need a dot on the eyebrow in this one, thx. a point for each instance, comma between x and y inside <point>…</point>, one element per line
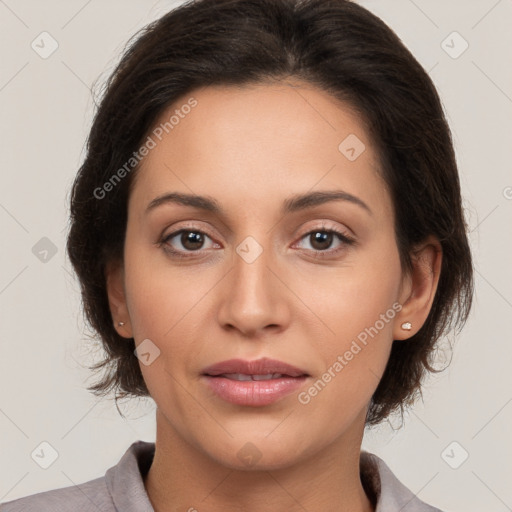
<point>292,204</point>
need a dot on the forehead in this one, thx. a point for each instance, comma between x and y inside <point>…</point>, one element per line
<point>259,141</point>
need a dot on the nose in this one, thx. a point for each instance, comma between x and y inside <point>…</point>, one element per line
<point>254,298</point>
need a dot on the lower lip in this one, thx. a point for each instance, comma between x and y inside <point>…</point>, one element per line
<point>253,393</point>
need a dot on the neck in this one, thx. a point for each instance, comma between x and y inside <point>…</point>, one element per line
<point>183,478</point>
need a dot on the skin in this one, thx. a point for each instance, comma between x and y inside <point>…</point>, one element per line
<point>251,148</point>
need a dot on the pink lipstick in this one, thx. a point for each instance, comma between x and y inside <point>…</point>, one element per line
<point>253,383</point>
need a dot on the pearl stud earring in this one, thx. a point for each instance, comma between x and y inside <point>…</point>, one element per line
<point>120,324</point>
<point>406,326</point>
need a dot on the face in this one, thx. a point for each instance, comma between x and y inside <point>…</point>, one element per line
<point>314,284</point>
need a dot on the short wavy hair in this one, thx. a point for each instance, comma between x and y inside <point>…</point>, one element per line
<point>335,45</point>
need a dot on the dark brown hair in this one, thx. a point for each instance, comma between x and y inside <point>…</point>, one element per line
<point>335,45</point>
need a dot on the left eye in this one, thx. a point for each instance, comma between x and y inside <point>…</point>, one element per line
<point>321,239</point>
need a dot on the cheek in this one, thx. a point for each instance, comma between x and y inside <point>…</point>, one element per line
<point>162,302</point>
<point>355,307</point>
<point>168,305</point>
<point>159,294</point>
<point>347,300</point>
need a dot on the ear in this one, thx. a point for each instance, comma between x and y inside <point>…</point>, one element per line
<point>114,275</point>
<point>419,288</point>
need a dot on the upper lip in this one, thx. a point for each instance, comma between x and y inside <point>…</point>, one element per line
<point>263,366</point>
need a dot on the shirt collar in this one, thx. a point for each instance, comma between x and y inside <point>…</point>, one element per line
<point>125,482</point>
<point>390,492</point>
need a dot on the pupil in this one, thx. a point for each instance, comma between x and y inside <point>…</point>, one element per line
<point>321,237</point>
<point>188,239</point>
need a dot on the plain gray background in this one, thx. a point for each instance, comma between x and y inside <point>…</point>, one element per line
<point>46,110</point>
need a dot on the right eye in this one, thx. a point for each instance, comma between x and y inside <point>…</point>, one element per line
<point>185,241</point>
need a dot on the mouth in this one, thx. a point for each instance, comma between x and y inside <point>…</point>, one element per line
<point>260,369</point>
<point>245,377</point>
<point>253,383</point>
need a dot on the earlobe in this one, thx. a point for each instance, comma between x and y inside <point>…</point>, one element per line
<point>114,276</point>
<point>421,288</point>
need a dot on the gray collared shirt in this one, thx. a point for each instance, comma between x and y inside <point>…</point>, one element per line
<point>122,489</point>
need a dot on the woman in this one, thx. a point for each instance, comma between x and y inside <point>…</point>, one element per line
<point>269,218</point>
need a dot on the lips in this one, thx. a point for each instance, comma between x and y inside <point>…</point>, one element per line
<point>243,376</point>
<point>253,383</point>
<point>260,367</point>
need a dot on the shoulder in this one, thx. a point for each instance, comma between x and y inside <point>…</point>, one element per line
<point>122,488</point>
<point>89,496</point>
<point>390,493</point>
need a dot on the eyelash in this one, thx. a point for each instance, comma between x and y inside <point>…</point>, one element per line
<point>343,237</point>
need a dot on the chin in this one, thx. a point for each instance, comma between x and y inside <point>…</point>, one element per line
<point>259,453</point>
